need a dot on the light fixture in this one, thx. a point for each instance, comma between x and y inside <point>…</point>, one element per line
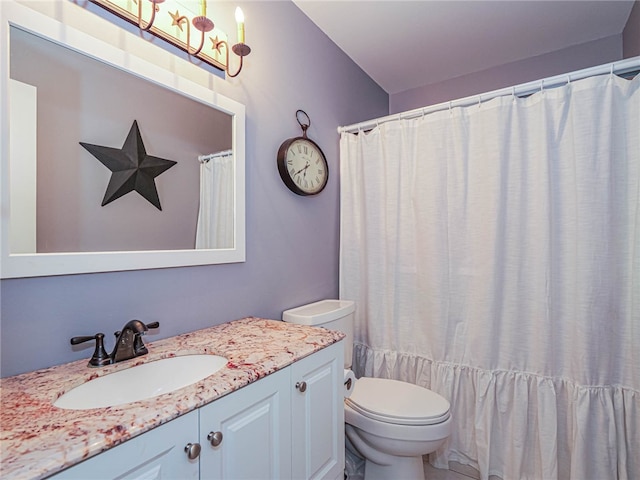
<point>168,23</point>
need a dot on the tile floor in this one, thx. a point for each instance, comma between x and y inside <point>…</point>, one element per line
<point>456,471</point>
<point>431,473</point>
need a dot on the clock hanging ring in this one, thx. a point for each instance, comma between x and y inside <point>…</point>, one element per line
<point>301,162</point>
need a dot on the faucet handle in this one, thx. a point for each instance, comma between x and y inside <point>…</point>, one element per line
<point>100,356</point>
<point>78,340</point>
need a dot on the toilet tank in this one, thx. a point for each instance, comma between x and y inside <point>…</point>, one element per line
<point>330,314</point>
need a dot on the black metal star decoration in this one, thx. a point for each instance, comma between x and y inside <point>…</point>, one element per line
<point>131,167</point>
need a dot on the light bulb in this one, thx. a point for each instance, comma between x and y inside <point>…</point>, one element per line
<point>239,15</point>
<point>240,20</point>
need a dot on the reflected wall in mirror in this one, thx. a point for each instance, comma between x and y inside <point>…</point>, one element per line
<point>62,91</point>
<point>79,99</point>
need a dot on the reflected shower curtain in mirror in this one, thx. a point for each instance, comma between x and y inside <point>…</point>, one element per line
<point>493,252</point>
<point>215,217</point>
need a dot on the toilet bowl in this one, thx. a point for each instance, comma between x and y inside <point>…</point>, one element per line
<point>391,424</point>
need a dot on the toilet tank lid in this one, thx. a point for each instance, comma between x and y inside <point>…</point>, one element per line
<point>320,312</point>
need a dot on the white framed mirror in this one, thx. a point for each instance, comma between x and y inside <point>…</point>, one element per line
<point>60,87</point>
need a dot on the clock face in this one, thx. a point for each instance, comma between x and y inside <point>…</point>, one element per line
<point>302,166</point>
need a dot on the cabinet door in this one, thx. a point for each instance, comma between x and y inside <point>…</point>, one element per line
<point>318,415</point>
<point>157,454</point>
<point>256,432</point>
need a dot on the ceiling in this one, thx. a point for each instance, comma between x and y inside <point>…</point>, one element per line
<point>407,44</point>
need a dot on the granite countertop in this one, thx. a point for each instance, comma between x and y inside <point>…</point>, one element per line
<point>38,439</point>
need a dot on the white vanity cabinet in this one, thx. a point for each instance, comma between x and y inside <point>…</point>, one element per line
<point>157,454</point>
<point>288,425</point>
<point>317,415</point>
<point>247,434</point>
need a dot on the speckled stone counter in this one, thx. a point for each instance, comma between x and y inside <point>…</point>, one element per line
<point>38,439</point>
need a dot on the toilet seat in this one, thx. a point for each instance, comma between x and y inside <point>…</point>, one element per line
<point>399,403</point>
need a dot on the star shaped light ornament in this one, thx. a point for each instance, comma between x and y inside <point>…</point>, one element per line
<point>131,167</point>
<point>178,19</point>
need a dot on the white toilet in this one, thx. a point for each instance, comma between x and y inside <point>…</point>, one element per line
<point>390,424</point>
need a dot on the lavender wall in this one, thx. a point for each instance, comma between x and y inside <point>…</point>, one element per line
<point>590,54</point>
<point>292,241</point>
<point>631,33</point>
<point>586,55</point>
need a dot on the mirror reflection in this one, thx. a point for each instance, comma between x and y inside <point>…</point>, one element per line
<point>60,98</point>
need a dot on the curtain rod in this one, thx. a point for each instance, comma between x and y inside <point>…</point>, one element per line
<point>211,156</point>
<point>621,67</point>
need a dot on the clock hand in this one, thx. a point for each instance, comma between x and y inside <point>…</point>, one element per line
<point>303,169</point>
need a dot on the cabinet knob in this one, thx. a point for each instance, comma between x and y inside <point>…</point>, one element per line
<point>193,450</point>
<point>302,386</point>
<point>215,438</point>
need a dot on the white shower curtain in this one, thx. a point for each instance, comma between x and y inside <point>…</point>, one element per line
<point>216,215</point>
<point>493,252</point>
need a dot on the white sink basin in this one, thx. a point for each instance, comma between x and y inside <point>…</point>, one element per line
<point>141,382</point>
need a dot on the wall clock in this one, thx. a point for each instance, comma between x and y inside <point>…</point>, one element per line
<point>301,163</point>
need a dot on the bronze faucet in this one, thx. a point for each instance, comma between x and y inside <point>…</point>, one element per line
<point>127,339</point>
<point>129,344</point>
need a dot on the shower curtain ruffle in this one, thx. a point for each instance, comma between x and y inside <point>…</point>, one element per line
<point>547,426</point>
